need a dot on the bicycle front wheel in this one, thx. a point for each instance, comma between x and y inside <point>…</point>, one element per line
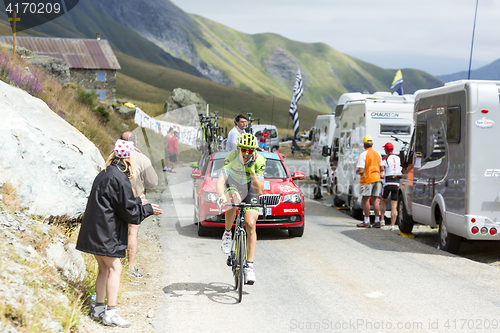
<point>241,264</point>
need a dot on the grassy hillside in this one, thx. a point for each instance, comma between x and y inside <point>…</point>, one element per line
<point>220,97</point>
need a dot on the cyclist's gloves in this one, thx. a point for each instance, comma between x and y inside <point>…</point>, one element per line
<point>221,201</point>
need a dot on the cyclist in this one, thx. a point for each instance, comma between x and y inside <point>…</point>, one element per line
<point>242,180</point>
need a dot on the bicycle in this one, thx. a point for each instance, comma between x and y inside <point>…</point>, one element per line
<point>237,258</point>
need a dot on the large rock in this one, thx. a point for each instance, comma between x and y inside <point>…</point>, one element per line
<point>183,97</point>
<point>49,163</point>
<point>57,68</point>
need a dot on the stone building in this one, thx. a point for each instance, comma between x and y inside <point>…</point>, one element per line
<point>92,62</point>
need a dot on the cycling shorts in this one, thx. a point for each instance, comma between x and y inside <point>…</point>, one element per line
<point>245,191</point>
<point>393,190</point>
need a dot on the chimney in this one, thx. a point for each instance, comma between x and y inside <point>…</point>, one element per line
<point>98,35</point>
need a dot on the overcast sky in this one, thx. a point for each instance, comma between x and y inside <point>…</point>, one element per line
<point>431,35</point>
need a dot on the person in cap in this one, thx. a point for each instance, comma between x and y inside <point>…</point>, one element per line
<point>391,165</point>
<point>369,168</point>
<point>104,229</point>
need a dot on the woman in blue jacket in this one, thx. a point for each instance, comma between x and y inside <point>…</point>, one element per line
<point>104,230</point>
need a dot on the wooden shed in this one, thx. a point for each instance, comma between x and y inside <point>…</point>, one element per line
<point>91,62</point>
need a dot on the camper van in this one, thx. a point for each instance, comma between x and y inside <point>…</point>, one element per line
<point>452,177</point>
<point>321,136</point>
<point>385,117</point>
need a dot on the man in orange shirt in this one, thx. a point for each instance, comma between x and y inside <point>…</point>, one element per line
<point>369,168</point>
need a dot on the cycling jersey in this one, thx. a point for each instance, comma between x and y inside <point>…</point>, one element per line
<point>239,172</point>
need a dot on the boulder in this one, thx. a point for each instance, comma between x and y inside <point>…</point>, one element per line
<point>183,97</point>
<point>50,164</point>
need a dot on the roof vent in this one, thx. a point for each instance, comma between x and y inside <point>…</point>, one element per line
<point>98,36</point>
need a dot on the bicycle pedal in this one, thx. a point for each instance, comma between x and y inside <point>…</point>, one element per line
<point>228,261</point>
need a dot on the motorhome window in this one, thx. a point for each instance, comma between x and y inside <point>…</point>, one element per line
<point>421,140</point>
<point>391,129</point>
<point>274,134</point>
<point>353,126</point>
<point>453,124</point>
<point>338,110</point>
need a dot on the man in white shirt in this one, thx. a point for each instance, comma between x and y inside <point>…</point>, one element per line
<point>392,173</point>
<point>240,122</point>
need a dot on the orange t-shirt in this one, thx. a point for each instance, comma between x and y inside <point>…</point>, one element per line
<point>371,165</point>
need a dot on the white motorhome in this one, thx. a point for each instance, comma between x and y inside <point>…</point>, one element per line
<point>453,166</point>
<point>385,117</point>
<point>322,136</point>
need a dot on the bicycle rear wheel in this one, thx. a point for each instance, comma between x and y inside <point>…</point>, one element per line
<point>241,264</point>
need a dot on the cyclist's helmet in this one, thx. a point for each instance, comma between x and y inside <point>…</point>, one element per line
<point>247,140</point>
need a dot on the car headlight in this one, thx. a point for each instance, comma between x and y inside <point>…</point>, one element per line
<point>211,197</point>
<point>292,198</point>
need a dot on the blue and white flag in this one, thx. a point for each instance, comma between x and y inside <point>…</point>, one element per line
<point>298,91</point>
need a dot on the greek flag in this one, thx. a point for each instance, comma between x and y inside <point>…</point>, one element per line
<point>398,79</point>
<point>298,91</point>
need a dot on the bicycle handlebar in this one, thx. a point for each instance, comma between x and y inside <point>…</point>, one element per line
<point>243,205</point>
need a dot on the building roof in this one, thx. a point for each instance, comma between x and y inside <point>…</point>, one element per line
<point>77,53</point>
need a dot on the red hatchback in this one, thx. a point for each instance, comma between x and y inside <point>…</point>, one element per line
<point>285,201</point>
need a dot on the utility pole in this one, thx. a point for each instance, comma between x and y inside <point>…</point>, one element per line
<point>14,18</point>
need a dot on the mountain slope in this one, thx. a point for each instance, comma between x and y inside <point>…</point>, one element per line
<point>488,72</point>
<point>159,32</point>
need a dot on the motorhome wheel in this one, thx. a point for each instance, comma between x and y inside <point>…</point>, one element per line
<point>448,242</point>
<point>405,222</point>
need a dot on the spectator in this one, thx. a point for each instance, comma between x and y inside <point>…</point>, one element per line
<point>240,123</point>
<point>173,150</point>
<point>391,165</point>
<point>263,138</point>
<point>145,177</point>
<point>167,153</point>
<point>369,168</point>
<point>103,233</point>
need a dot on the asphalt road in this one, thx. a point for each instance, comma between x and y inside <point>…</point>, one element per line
<point>335,278</point>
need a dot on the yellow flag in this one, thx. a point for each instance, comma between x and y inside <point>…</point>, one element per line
<point>397,79</point>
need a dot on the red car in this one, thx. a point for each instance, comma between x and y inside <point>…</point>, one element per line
<point>285,201</point>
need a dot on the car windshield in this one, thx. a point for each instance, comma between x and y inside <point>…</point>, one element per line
<point>274,169</point>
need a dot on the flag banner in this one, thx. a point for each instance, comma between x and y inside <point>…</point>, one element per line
<point>298,91</point>
<point>187,135</point>
<point>398,78</point>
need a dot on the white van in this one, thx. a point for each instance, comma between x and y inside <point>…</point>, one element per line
<point>321,136</point>
<point>273,143</point>
<point>453,166</point>
<point>385,117</point>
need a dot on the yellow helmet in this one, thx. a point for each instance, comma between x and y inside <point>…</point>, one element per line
<point>247,140</point>
<point>367,139</point>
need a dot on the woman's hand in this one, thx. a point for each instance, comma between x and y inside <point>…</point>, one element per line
<point>156,210</point>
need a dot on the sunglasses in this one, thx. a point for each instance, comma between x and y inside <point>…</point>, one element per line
<point>247,150</point>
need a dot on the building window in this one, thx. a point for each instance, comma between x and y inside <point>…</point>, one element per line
<point>101,76</point>
<point>101,94</point>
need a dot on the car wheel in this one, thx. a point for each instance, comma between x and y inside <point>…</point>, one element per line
<point>296,232</point>
<point>405,222</point>
<point>273,149</point>
<point>448,242</point>
<point>202,231</point>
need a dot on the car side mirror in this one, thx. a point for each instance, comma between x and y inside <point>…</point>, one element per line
<point>196,174</point>
<point>298,175</point>
<point>194,165</point>
<point>326,151</point>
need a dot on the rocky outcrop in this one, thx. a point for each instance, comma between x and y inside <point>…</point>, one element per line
<point>56,67</point>
<point>49,163</point>
<point>183,97</point>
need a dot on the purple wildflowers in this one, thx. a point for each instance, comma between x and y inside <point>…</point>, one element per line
<point>29,82</point>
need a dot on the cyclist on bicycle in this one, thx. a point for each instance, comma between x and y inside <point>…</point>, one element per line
<point>242,180</point>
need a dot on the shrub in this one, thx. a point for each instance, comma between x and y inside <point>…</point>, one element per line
<point>102,113</point>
